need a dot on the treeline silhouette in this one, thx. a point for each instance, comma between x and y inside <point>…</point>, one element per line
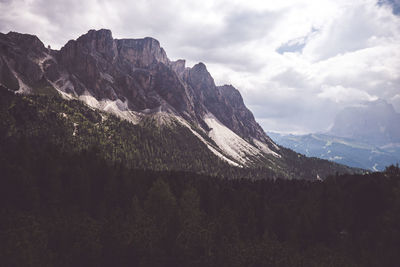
<point>78,209</point>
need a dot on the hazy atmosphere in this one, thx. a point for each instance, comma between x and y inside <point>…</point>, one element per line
<point>296,63</point>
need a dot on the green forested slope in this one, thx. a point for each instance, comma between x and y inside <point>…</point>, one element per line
<point>111,195</point>
<point>71,126</point>
<point>77,209</point>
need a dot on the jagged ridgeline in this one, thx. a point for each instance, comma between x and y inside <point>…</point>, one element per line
<point>128,101</point>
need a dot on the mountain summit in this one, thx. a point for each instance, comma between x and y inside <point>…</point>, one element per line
<point>131,77</point>
<point>135,80</point>
<point>364,136</point>
<point>374,122</point>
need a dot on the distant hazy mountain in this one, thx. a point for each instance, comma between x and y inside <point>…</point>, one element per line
<point>341,150</point>
<point>375,123</point>
<point>365,136</point>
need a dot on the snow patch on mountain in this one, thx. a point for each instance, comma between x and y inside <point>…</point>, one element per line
<point>229,142</point>
<point>209,146</point>
<point>64,84</point>
<point>335,158</point>
<point>23,88</point>
<point>116,107</point>
<point>62,89</point>
<point>75,129</point>
<point>375,167</point>
<point>43,59</point>
<point>264,148</point>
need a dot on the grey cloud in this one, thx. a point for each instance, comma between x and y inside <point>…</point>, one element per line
<point>244,26</point>
<point>299,109</point>
<point>394,4</point>
<point>374,83</point>
<point>351,33</point>
<point>288,100</point>
<point>291,78</point>
<point>223,44</point>
<point>237,27</point>
<point>229,57</point>
<point>309,116</point>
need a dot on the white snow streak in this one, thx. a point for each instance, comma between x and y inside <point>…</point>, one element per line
<point>23,88</point>
<point>75,129</point>
<point>232,144</point>
<point>375,167</point>
<point>116,107</point>
<point>42,60</point>
<point>264,148</point>
<point>209,146</point>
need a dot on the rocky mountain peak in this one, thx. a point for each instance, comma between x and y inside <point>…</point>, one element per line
<point>19,57</point>
<point>96,35</point>
<point>99,44</point>
<point>200,71</point>
<point>201,80</point>
<point>237,116</point>
<point>375,122</point>
<point>384,107</point>
<point>232,94</point>
<point>135,76</point>
<point>178,66</point>
<point>142,52</point>
<point>100,41</point>
<point>26,41</point>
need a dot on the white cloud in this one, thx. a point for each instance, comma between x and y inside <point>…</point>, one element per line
<point>340,94</point>
<point>349,50</point>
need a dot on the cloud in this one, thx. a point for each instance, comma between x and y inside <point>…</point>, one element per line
<point>340,94</point>
<point>296,62</point>
<point>291,78</point>
<point>355,27</point>
<point>393,4</point>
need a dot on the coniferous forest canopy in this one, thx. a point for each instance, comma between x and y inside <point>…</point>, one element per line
<point>72,195</point>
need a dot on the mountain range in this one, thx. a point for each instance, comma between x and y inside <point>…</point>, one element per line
<point>134,80</point>
<point>113,155</point>
<point>365,136</point>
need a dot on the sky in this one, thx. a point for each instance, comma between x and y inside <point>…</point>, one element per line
<point>296,63</point>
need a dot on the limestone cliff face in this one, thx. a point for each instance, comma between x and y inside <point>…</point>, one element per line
<point>237,116</point>
<point>225,102</point>
<point>142,53</point>
<point>178,66</point>
<point>135,71</point>
<point>19,54</point>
